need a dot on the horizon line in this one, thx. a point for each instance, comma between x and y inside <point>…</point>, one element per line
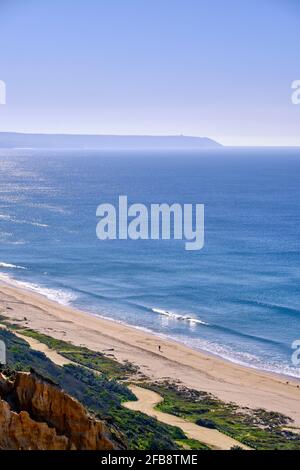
<point>221,145</point>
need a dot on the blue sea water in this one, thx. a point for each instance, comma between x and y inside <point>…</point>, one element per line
<point>242,289</point>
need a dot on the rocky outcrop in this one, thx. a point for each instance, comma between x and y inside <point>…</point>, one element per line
<point>19,432</point>
<point>35,414</point>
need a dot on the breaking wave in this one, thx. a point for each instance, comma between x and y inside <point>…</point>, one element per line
<point>11,266</point>
<point>175,316</point>
<point>60,296</point>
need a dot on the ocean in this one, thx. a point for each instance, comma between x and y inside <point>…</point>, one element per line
<point>237,298</point>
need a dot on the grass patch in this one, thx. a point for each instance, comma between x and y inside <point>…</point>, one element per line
<point>99,394</point>
<point>84,356</point>
<point>104,394</point>
<point>192,444</point>
<point>259,429</point>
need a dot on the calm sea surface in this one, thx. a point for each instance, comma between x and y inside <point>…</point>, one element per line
<point>238,297</point>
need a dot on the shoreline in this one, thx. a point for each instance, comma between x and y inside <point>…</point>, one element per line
<point>163,337</point>
<point>204,371</point>
<point>10,281</point>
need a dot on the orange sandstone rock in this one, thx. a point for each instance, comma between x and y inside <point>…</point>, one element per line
<point>46,418</point>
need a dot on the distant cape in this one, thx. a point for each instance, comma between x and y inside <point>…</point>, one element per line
<point>114,142</point>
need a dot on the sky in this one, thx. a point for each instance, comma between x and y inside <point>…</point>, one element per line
<point>215,68</point>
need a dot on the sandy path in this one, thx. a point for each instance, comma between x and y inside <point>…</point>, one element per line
<point>53,355</point>
<point>229,382</point>
<point>147,400</point>
<point>50,353</point>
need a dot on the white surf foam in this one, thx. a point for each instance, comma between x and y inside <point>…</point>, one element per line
<point>57,295</point>
<point>240,358</point>
<point>17,221</point>
<point>176,316</point>
<point>11,266</point>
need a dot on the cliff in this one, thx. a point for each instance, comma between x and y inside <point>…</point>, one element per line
<point>37,415</point>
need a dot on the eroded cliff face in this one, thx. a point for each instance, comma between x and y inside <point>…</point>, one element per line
<point>34,414</point>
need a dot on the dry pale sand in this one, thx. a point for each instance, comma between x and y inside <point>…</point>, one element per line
<point>147,400</point>
<point>229,382</point>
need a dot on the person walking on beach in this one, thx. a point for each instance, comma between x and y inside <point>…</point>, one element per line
<point>159,348</point>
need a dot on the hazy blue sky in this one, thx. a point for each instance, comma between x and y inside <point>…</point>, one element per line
<point>219,68</point>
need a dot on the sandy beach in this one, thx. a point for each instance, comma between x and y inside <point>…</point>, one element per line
<point>230,382</point>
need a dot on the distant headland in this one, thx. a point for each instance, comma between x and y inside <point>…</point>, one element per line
<point>114,142</point>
